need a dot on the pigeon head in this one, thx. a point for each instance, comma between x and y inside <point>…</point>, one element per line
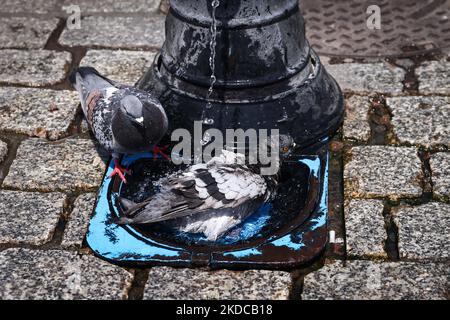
<point>286,144</point>
<point>139,124</point>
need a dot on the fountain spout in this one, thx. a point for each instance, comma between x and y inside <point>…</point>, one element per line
<point>266,74</point>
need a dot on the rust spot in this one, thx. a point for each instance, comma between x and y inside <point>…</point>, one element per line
<point>336,146</point>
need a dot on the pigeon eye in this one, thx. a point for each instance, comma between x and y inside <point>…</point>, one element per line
<point>285,149</point>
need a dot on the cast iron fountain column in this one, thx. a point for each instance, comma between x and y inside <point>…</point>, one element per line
<point>268,77</point>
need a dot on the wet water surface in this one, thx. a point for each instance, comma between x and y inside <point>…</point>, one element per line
<point>286,210</point>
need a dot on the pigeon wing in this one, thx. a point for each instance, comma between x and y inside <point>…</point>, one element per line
<point>202,189</point>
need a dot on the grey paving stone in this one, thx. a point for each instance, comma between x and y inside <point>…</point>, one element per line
<point>434,77</point>
<point>27,6</point>
<point>383,171</point>
<point>424,231</point>
<point>421,120</point>
<point>117,32</point>
<point>356,123</point>
<point>194,284</point>
<point>29,217</point>
<point>364,279</point>
<point>53,274</point>
<point>367,77</point>
<point>72,164</point>
<point>37,112</point>
<point>33,67</point>
<point>21,32</point>
<point>141,6</point>
<point>3,150</point>
<point>440,168</point>
<point>364,226</point>
<point>123,66</point>
<point>165,6</point>
<point>78,221</point>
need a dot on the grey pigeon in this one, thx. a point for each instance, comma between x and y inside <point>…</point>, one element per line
<point>124,120</point>
<point>209,198</point>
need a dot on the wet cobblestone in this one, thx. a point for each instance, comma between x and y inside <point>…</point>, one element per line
<point>122,66</point>
<point>440,168</point>
<point>194,284</point>
<point>355,280</point>
<point>72,164</point>
<point>21,32</point>
<point>421,120</point>
<point>29,217</point>
<point>122,6</point>
<point>117,32</point>
<point>356,123</point>
<point>34,68</point>
<point>367,77</point>
<point>434,77</point>
<point>55,274</point>
<point>3,150</point>
<point>36,112</point>
<point>78,222</point>
<point>424,231</point>
<point>383,171</point>
<point>26,6</point>
<point>364,226</point>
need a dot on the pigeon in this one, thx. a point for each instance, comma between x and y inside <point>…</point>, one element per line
<point>209,198</point>
<point>123,119</point>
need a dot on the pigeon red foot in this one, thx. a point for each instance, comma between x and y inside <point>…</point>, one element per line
<point>160,151</point>
<point>120,171</point>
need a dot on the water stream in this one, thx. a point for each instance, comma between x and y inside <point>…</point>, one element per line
<point>212,64</point>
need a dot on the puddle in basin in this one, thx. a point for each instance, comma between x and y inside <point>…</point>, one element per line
<point>284,211</point>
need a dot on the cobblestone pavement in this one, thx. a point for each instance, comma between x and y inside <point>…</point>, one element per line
<point>391,159</point>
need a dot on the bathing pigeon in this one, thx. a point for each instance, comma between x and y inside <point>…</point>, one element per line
<point>209,198</point>
<point>122,118</point>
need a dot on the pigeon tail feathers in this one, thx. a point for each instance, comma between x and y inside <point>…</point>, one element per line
<point>83,72</point>
<point>91,79</point>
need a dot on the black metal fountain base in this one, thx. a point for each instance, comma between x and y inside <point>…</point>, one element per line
<point>285,233</point>
<point>266,76</point>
